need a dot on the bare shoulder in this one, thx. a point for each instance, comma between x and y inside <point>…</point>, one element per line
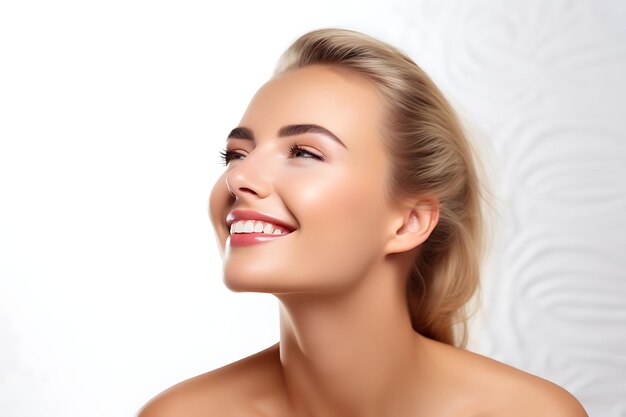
<point>498,389</point>
<point>249,386</point>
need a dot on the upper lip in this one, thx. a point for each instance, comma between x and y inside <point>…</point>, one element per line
<point>241,214</point>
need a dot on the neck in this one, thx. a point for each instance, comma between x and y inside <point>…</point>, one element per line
<point>352,353</point>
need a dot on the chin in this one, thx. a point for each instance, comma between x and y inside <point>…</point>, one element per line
<point>249,284</point>
<point>244,280</point>
<point>238,282</point>
<point>244,285</point>
<point>267,272</point>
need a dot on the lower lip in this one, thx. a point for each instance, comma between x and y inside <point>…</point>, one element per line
<point>247,239</point>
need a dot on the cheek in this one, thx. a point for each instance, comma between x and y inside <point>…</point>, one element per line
<point>340,201</point>
<point>342,225</point>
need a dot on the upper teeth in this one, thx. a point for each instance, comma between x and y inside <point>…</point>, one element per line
<point>256,226</point>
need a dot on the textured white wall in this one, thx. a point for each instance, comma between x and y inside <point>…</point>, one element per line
<point>111,119</point>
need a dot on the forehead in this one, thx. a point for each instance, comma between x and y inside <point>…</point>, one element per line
<point>340,100</point>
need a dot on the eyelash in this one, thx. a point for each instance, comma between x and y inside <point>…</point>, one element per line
<point>294,147</point>
<point>227,155</point>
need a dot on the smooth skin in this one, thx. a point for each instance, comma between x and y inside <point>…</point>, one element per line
<point>346,346</point>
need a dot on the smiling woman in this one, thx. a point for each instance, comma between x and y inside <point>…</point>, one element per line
<point>352,195</point>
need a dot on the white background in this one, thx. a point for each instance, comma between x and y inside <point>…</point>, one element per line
<point>112,116</point>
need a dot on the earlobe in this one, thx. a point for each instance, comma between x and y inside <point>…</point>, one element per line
<point>417,224</point>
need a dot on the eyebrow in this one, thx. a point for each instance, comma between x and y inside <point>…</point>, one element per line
<point>242,132</point>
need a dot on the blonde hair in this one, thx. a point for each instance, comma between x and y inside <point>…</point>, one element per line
<point>431,157</point>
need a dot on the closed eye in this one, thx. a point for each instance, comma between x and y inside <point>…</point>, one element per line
<point>227,155</point>
<point>295,151</point>
<point>298,151</point>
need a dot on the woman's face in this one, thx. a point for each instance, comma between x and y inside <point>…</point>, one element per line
<point>325,194</point>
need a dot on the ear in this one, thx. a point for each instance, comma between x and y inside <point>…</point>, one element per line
<point>412,226</point>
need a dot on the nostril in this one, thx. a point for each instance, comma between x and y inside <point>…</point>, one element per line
<point>247,190</point>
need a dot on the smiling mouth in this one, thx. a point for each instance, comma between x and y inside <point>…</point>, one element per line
<point>251,232</point>
<point>256,227</point>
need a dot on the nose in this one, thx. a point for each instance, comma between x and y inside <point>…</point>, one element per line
<point>249,178</point>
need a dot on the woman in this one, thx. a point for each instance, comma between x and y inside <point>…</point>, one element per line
<point>352,195</point>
